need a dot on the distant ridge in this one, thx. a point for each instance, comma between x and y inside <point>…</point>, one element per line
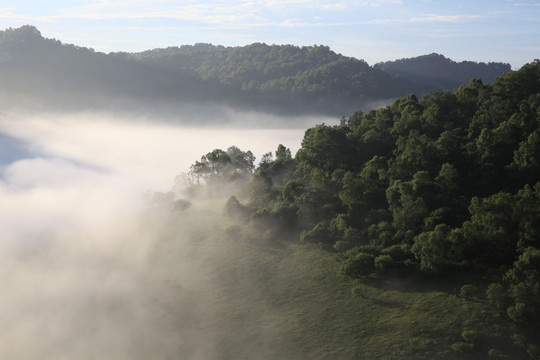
<point>437,71</point>
<point>45,73</point>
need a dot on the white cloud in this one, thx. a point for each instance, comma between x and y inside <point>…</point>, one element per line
<point>8,13</point>
<point>437,18</point>
<point>207,12</point>
<point>335,6</point>
<point>379,2</point>
<point>298,23</point>
<point>381,21</point>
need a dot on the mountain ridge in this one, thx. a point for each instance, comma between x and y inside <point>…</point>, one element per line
<point>282,79</point>
<point>450,73</point>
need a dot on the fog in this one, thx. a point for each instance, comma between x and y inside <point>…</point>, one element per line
<point>89,270</point>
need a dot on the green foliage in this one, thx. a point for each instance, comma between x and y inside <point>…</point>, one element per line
<point>524,287</point>
<point>384,263</point>
<point>497,295</point>
<point>469,336</point>
<point>433,249</point>
<point>324,147</point>
<point>497,354</point>
<point>468,291</point>
<point>402,257</point>
<point>361,264</point>
<point>533,351</point>
<point>527,214</point>
<point>234,210</point>
<point>320,234</point>
<point>462,347</point>
<point>282,153</point>
<point>218,166</point>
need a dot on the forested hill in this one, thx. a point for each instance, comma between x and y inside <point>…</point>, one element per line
<point>298,79</point>
<point>44,73</point>
<point>439,194</point>
<point>446,186</point>
<point>452,178</point>
<point>436,71</point>
<point>35,71</point>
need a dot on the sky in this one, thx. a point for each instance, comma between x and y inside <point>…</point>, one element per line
<point>374,30</point>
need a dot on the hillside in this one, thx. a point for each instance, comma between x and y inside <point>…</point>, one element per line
<point>41,73</point>
<point>443,188</point>
<point>47,74</point>
<point>283,77</point>
<point>228,297</point>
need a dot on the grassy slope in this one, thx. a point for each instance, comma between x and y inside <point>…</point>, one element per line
<point>231,299</point>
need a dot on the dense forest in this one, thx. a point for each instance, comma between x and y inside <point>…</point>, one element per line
<point>45,73</point>
<point>445,188</point>
<point>313,79</point>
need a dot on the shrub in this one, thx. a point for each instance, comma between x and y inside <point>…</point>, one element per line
<point>533,351</point>
<point>360,264</point>
<point>234,209</point>
<point>470,336</point>
<point>523,281</point>
<point>468,291</point>
<point>319,234</point>
<point>342,246</point>
<point>497,354</point>
<point>181,205</point>
<point>462,347</point>
<point>496,295</point>
<point>358,291</point>
<point>384,263</point>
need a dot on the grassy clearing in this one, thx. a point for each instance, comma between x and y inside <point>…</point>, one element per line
<point>240,301</point>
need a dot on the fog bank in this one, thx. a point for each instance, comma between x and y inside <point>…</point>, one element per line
<point>88,271</point>
<point>77,167</point>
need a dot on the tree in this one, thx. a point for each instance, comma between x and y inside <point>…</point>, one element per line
<point>359,264</point>
<point>324,147</point>
<point>242,162</point>
<point>492,232</point>
<point>320,234</point>
<point>219,165</point>
<point>434,249</point>
<point>524,287</point>
<point>527,211</point>
<point>212,166</point>
<point>234,209</point>
<point>283,153</point>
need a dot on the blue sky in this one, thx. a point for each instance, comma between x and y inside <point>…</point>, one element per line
<point>373,30</point>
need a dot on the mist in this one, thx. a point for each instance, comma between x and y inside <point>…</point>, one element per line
<point>90,271</point>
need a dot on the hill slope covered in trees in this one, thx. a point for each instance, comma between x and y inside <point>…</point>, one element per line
<point>45,73</point>
<point>445,187</point>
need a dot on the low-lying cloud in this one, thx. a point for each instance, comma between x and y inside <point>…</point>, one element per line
<point>83,276</point>
<point>90,166</point>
